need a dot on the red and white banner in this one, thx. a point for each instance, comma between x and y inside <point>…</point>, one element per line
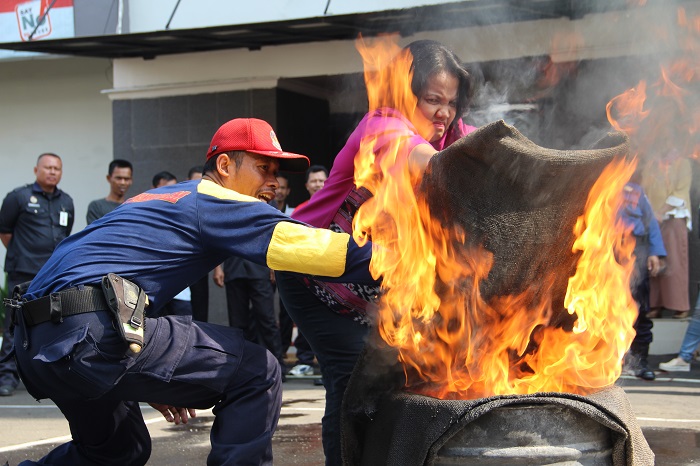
<point>19,19</point>
<point>25,20</point>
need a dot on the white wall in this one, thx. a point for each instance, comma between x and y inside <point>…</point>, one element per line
<point>153,15</point>
<point>55,105</point>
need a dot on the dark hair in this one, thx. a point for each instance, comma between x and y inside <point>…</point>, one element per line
<point>164,175</point>
<point>45,154</point>
<point>315,169</point>
<point>119,163</point>
<point>431,57</point>
<point>236,156</point>
<point>195,169</point>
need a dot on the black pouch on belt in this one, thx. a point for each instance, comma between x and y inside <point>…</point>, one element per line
<point>127,301</point>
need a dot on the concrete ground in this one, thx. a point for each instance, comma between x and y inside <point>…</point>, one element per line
<point>668,410</point>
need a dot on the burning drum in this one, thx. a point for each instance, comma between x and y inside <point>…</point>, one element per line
<point>529,435</point>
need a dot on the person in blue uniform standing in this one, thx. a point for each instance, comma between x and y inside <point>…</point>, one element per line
<point>82,340</point>
<point>649,252</point>
<point>33,219</point>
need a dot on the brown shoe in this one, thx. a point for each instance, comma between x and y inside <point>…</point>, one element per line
<point>680,315</point>
<point>653,314</point>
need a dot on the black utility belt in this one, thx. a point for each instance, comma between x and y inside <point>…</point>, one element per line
<point>126,300</point>
<point>56,306</point>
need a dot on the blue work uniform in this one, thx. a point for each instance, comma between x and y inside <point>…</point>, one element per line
<point>638,215</point>
<point>164,240</point>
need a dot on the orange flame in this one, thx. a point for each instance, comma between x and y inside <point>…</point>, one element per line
<point>451,342</point>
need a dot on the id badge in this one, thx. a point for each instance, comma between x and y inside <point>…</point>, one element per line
<point>63,218</point>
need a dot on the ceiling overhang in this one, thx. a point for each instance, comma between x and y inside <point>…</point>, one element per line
<point>338,27</point>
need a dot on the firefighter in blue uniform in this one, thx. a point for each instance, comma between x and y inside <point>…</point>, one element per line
<point>82,340</point>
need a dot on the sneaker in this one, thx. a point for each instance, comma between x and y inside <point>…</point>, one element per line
<point>675,365</point>
<point>7,390</point>
<point>301,369</point>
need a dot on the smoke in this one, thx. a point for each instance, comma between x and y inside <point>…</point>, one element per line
<point>571,63</point>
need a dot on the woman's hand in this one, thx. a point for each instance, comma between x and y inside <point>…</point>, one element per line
<point>173,414</point>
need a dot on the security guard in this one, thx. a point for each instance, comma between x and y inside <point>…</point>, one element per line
<point>33,219</point>
<point>82,339</point>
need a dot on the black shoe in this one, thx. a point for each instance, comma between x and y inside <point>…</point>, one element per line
<point>7,390</point>
<point>318,382</point>
<point>645,373</point>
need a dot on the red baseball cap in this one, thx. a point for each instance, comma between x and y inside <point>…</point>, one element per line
<point>257,136</point>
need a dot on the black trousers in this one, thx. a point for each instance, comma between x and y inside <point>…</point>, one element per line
<point>200,299</point>
<point>251,308</point>
<point>8,368</point>
<point>640,293</point>
<point>305,354</point>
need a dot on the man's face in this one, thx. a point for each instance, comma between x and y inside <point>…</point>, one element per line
<point>120,181</point>
<point>48,172</point>
<point>256,177</point>
<point>316,181</point>
<point>283,189</point>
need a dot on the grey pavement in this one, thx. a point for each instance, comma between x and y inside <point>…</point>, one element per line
<point>668,410</point>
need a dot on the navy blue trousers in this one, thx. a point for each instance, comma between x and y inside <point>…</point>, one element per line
<point>337,342</point>
<point>640,292</point>
<point>8,368</point>
<point>81,365</point>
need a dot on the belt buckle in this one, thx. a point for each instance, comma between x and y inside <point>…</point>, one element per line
<point>55,308</point>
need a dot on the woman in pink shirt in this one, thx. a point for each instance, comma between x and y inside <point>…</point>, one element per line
<point>333,317</point>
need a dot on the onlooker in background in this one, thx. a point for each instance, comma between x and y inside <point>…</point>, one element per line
<point>250,300</point>
<point>119,177</point>
<point>648,249</point>
<point>667,184</point>
<point>286,324</point>
<point>304,354</point>
<point>334,318</point>
<point>33,220</point>
<point>164,178</point>
<point>316,177</point>
<point>199,290</point>
<point>281,195</point>
<point>314,180</point>
<point>690,343</point>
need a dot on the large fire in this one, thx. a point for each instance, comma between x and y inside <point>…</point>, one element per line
<point>456,345</point>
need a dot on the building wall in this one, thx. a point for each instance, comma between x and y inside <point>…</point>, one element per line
<point>173,133</point>
<point>56,105</point>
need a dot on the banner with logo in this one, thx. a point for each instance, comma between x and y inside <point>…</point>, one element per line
<point>29,20</point>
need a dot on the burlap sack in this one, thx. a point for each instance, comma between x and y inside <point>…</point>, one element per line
<point>520,201</point>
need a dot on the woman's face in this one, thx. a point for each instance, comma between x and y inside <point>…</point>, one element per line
<point>437,106</point>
